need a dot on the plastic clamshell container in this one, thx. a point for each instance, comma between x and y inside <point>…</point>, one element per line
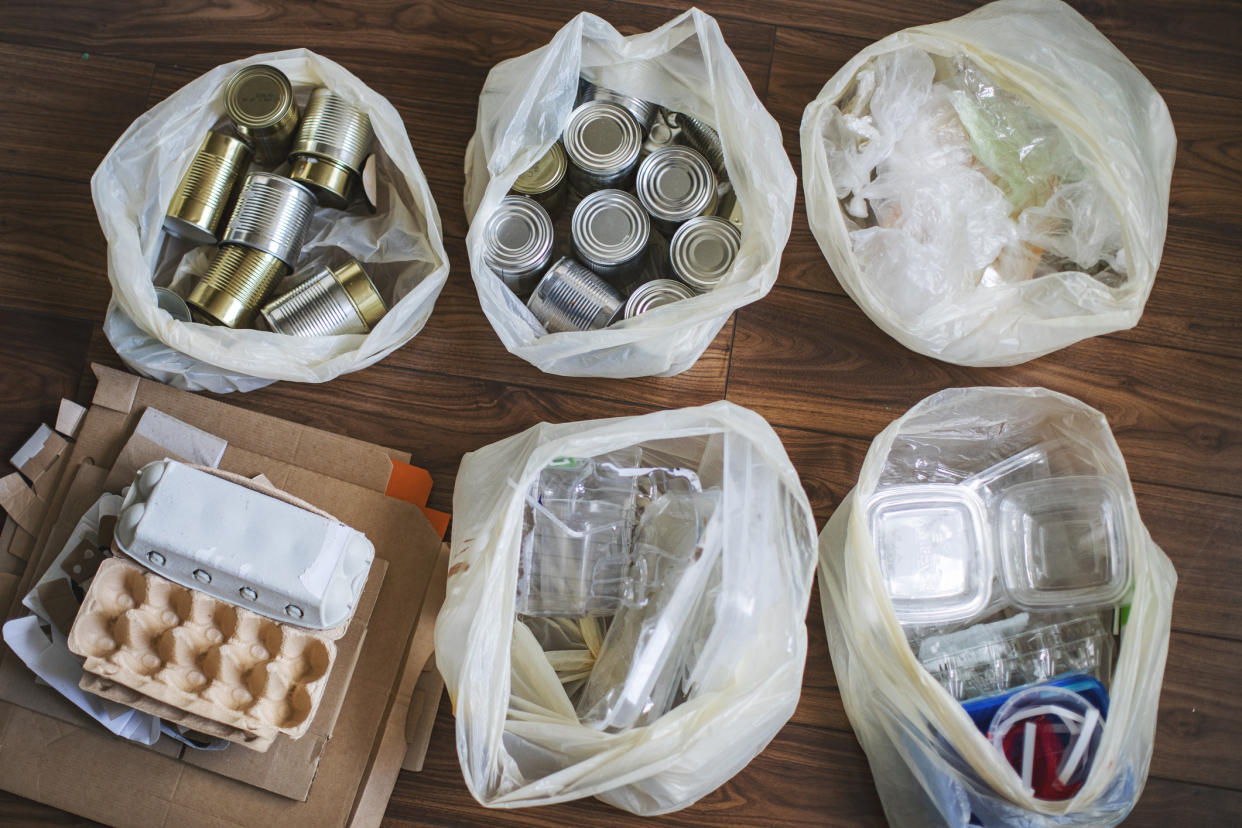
<point>935,553</point>
<point>1023,467</point>
<point>243,546</point>
<point>1063,543</point>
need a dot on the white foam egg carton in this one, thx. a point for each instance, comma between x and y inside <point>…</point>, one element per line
<point>221,535</point>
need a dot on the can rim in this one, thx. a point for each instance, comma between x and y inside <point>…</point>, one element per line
<point>538,245</point>
<point>641,109</point>
<point>624,154</point>
<point>681,251</point>
<point>589,245</point>
<point>655,294</point>
<point>366,298</point>
<point>544,174</point>
<point>277,114</point>
<point>652,175</point>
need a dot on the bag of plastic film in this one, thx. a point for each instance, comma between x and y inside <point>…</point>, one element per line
<point>700,660</point>
<point>991,188</point>
<point>400,245</point>
<point>931,764</point>
<point>685,66</point>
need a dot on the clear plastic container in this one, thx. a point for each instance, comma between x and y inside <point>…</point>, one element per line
<point>575,557</point>
<point>991,658</point>
<point>1063,543</point>
<point>935,553</point>
<point>646,653</point>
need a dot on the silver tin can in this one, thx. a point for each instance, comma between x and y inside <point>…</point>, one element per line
<point>609,232</point>
<point>655,294</point>
<point>704,138</point>
<point>661,133</point>
<point>643,111</point>
<point>517,243</point>
<point>675,184</point>
<point>702,251</point>
<point>340,300</point>
<point>172,304</point>
<point>331,146</point>
<point>728,207</point>
<point>272,215</point>
<point>572,298</point>
<point>602,141</point>
<point>545,180</point>
<point>199,206</point>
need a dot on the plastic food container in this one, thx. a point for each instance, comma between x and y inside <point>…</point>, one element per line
<point>935,553</point>
<point>1063,543</point>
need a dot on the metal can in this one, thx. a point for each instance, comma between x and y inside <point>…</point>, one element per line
<point>272,215</point>
<point>602,141</point>
<point>654,294</point>
<point>572,298</point>
<point>331,146</point>
<point>643,111</point>
<point>259,101</point>
<point>661,133</point>
<point>702,251</point>
<point>172,304</point>
<point>704,138</point>
<point>675,184</point>
<point>198,207</point>
<point>517,243</point>
<point>235,284</point>
<point>545,180</point>
<point>340,300</point>
<point>729,207</point>
<point>609,232</point>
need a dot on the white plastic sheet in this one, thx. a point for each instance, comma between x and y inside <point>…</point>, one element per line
<point>519,739</point>
<point>401,245</point>
<point>1069,74</point>
<point>931,764</point>
<point>685,65</point>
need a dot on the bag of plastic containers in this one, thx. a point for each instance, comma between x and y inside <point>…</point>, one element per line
<point>400,245</point>
<point>685,66</point>
<point>991,188</point>
<point>973,584</point>
<point>626,607</point>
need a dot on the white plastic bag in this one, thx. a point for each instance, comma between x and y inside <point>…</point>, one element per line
<point>1116,123</point>
<point>931,764</point>
<point>687,67</point>
<point>519,740</point>
<point>401,245</point>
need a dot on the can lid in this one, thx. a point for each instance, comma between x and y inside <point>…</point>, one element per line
<point>258,96</point>
<point>518,236</point>
<point>644,111</point>
<point>654,294</point>
<point>610,226</point>
<point>361,290</point>
<point>544,174</point>
<point>675,183</point>
<point>703,250</point>
<point>602,137</point>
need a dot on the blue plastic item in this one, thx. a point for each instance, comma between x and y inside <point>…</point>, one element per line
<point>983,709</point>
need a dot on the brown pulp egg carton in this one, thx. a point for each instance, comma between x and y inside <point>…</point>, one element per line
<point>199,654</point>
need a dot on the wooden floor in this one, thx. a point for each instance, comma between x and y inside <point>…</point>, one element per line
<point>76,74</point>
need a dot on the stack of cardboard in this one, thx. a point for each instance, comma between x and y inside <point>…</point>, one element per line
<point>342,771</point>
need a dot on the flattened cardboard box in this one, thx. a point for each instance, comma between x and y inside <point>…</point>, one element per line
<point>85,770</point>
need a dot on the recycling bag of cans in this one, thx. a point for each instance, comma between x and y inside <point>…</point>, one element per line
<point>626,194</point>
<point>997,614</point>
<point>626,609</point>
<point>267,221</point>
<point>991,188</point>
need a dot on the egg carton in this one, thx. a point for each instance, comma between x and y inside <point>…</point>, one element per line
<point>199,654</point>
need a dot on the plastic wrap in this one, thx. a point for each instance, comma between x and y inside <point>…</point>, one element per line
<point>519,738</point>
<point>400,245</point>
<point>991,188</point>
<point>685,65</point>
<point>932,766</point>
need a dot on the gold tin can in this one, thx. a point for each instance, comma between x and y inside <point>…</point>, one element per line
<point>198,207</point>
<point>544,181</point>
<point>331,146</point>
<point>235,284</point>
<point>259,100</point>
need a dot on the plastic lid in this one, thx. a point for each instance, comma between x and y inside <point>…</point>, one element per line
<point>1064,543</point>
<point>935,557</point>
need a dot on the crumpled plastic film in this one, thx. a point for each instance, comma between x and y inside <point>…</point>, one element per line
<point>401,245</point>
<point>991,188</point>
<point>685,65</point>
